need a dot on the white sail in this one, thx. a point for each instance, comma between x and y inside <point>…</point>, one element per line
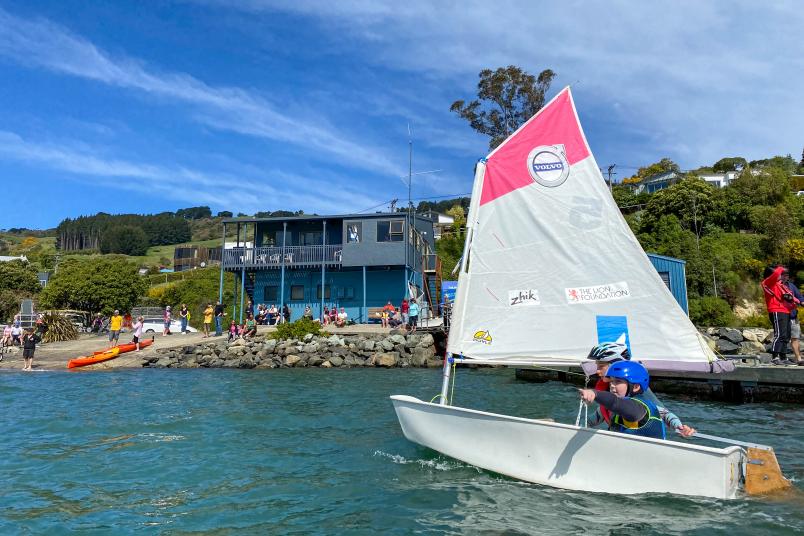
<point>551,268</point>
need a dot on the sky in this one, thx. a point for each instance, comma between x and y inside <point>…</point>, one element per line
<point>258,105</point>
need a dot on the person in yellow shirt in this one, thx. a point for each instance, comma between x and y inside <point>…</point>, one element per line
<point>209,312</point>
<point>115,325</point>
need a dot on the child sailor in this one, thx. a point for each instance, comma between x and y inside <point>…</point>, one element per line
<point>608,353</point>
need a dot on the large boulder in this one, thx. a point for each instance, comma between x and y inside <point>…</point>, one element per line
<point>310,348</point>
<point>397,339</point>
<point>336,361</point>
<point>386,359</point>
<point>386,345</point>
<point>269,346</point>
<point>314,361</point>
<point>421,356</point>
<point>238,342</point>
<point>308,337</point>
<point>731,334</point>
<point>163,362</point>
<point>326,364</point>
<point>426,340</point>
<point>367,345</point>
<point>334,340</point>
<point>725,346</point>
<point>751,348</point>
<point>413,341</point>
<point>291,360</point>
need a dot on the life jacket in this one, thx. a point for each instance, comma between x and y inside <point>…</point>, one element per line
<point>605,413</point>
<point>650,425</point>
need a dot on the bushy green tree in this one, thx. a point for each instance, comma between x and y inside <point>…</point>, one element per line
<point>506,99</point>
<point>19,275</point>
<point>94,285</point>
<point>125,239</point>
<point>194,213</point>
<point>711,311</point>
<point>729,164</point>
<point>690,200</point>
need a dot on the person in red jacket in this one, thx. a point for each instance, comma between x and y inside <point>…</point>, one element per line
<point>780,302</point>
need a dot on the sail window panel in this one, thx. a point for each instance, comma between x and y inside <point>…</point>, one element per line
<point>327,292</point>
<point>354,232</point>
<point>390,231</point>
<point>270,293</point>
<point>297,292</point>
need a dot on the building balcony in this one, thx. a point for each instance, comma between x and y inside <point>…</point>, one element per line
<point>273,257</point>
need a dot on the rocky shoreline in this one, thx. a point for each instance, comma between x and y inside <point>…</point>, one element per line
<point>745,341</point>
<point>395,349</point>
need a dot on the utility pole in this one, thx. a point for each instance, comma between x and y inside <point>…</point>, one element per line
<point>611,172</point>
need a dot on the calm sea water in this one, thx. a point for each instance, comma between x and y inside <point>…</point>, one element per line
<point>320,451</point>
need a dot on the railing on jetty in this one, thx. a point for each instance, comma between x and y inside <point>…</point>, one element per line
<point>289,256</point>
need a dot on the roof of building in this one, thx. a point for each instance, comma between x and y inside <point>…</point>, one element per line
<point>666,258</point>
<point>315,217</point>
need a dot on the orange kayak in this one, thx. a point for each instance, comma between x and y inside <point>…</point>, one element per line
<point>92,359</point>
<point>128,347</point>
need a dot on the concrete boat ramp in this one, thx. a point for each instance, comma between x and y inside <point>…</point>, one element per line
<point>746,384</point>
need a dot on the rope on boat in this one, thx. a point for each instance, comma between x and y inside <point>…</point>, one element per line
<point>452,389</point>
<point>582,408</point>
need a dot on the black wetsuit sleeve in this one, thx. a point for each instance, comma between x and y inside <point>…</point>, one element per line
<point>629,410</point>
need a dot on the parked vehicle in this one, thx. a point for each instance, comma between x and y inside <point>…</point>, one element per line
<point>157,325</point>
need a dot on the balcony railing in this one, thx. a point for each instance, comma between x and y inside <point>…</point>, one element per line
<point>290,256</point>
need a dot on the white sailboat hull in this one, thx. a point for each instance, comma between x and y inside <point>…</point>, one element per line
<point>570,457</point>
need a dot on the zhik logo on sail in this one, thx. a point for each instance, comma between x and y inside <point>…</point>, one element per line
<point>483,337</point>
<point>548,165</point>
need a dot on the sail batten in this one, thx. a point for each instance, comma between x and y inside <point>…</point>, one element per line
<point>550,267</point>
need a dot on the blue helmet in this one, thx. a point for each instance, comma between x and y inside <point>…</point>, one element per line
<point>630,371</point>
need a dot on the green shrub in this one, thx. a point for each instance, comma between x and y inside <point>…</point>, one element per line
<point>297,329</point>
<point>711,311</point>
<point>756,321</point>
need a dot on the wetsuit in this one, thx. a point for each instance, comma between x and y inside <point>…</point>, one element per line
<point>602,414</point>
<point>634,415</point>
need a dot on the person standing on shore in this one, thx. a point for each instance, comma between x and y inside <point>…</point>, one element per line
<point>218,319</point>
<point>184,317</point>
<point>414,315</point>
<point>29,341</point>
<point>167,319</point>
<point>137,327</point>
<point>208,314</point>
<point>795,327</point>
<point>286,313</point>
<point>115,325</point>
<point>405,310</point>
<point>779,302</point>
<point>7,335</point>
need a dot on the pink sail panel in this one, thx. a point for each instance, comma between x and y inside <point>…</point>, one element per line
<point>556,123</point>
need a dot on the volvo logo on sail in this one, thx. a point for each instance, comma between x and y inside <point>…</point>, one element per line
<point>547,165</point>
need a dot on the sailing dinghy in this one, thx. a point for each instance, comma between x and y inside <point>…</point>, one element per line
<point>550,268</point>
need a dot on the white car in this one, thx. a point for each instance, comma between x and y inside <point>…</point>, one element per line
<point>157,325</point>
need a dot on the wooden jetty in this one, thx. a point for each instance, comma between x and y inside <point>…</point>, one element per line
<point>746,384</point>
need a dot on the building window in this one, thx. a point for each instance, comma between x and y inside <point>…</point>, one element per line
<point>666,279</point>
<point>327,291</point>
<point>390,231</point>
<point>297,292</point>
<point>312,238</point>
<point>354,232</point>
<point>270,293</point>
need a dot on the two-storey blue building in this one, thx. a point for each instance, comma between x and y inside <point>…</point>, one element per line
<point>355,261</point>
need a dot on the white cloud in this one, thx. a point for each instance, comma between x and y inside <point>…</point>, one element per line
<point>48,45</point>
<point>247,191</point>
<point>707,79</point>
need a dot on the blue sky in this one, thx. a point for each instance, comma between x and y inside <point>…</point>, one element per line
<point>249,105</point>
